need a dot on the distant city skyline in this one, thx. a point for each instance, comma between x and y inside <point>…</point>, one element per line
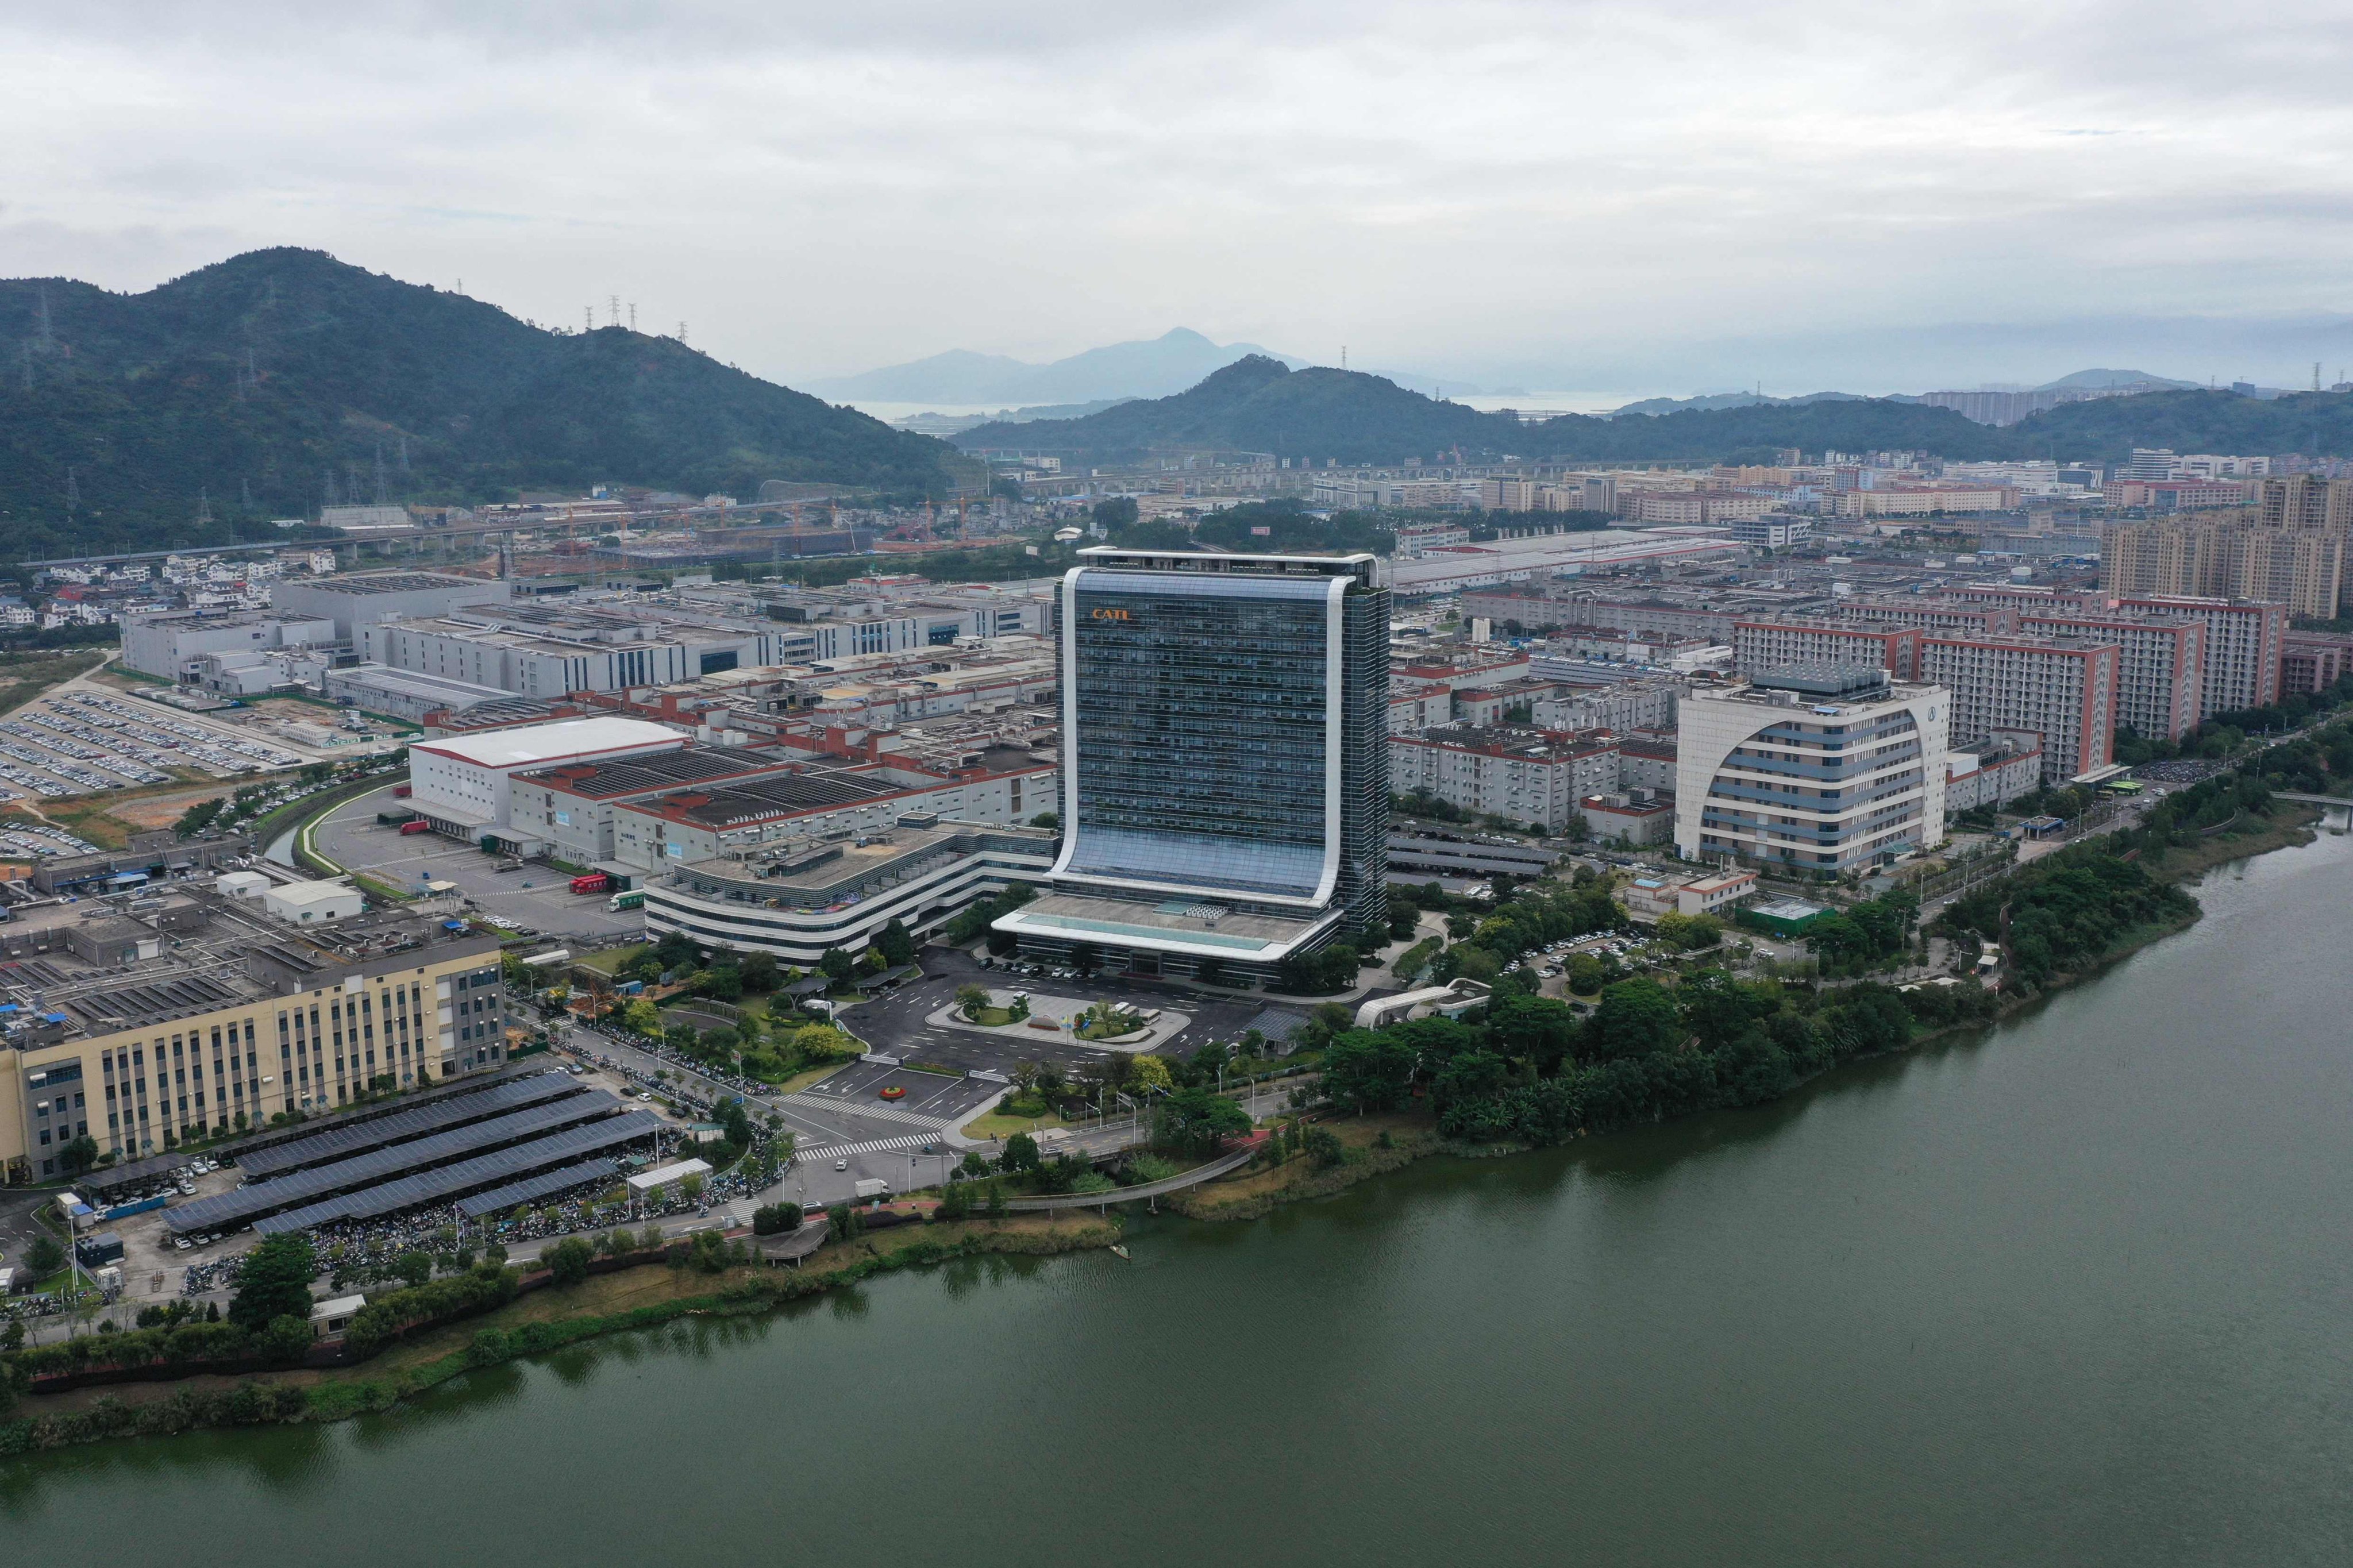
<point>1547,197</point>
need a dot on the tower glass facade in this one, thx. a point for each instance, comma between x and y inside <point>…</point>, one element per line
<point>1223,738</point>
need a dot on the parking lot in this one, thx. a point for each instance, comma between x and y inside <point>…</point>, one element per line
<point>537,898</point>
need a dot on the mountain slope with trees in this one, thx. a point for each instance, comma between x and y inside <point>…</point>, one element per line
<point>272,382</point>
<point>1258,404</point>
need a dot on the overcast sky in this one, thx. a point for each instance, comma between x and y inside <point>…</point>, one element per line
<point>1651,196</point>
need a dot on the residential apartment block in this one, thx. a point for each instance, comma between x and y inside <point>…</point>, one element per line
<point>1766,645</point>
<point>1517,772</point>
<point>2160,668</point>
<point>2062,689</point>
<point>2058,688</point>
<point>2244,641</point>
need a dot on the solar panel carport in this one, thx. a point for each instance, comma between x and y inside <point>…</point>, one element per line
<point>234,1211</point>
<point>318,1121</point>
<point>532,1187</point>
<point>343,1142</point>
<point>452,1181</point>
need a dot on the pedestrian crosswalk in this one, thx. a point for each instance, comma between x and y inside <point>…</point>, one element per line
<point>872,1146</point>
<point>866,1108</point>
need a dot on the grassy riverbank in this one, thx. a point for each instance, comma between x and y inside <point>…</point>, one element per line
<point>532,1324</point>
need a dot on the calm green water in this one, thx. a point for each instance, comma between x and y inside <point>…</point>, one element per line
<point>2073,1293</point>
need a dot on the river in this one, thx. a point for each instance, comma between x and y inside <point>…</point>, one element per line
<point>2074,1291</point>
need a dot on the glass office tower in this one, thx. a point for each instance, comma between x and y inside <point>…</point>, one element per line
<point>1224,764</point>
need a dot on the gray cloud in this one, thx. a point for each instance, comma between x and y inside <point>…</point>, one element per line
<point>1550,191</point>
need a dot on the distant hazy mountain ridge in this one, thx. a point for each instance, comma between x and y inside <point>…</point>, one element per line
<point>1153,367</point>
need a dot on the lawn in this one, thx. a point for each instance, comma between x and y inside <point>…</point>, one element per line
<point>996,1124</point>
<point>610,960</point>
<point>993,1017</point>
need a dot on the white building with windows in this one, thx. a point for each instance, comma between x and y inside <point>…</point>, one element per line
<point>1817,768</point>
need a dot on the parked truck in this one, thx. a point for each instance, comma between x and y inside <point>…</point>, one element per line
<point>873,1187</point>
<point>593,882</point>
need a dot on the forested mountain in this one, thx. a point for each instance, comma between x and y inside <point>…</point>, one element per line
<point>2316,424</point>
<point>1257,405</point>
<point>270,382</point>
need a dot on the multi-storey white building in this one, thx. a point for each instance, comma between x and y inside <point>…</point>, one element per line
<point>1820,769</point>
<point>2063,690</point>
<point>1533,776</point>
<point>1768,645</point>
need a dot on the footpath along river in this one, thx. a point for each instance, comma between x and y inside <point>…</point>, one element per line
<point>2075,1291</point>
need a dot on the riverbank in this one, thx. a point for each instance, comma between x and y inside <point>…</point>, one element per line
<point>533,1324</point>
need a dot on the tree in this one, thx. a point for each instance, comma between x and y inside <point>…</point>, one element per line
<point>759,972</point>
<point>413,1267</point>
<point>1150,1075</point>
<point>1532,1027</point>
<point>274,1281</point>
<point>1020,1153</point>
<point>44,1257</point>
<point>838,965</point>
<point>1045,820</point>
<point>971,999</point>
<point>287,1338</point>
<point>725,983</point>
<point>1636,1018</point>
<point>568,1261</point>
<point>895,945</point>
<point>1196,1121</point>
<point>641,1017</point>
<point>1323,1146</point>
<point>1111,515</point>
<point>78,1155</point>
<point>1369,1070</point>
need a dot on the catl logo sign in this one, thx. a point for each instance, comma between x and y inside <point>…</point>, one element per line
<point>1111,615</point>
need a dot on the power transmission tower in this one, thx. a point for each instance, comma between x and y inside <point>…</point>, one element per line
<point>382,497</point>
<point>245,493</point>
<point>681,334</point>
<point>588,318</point>
<point>633,315</point>
<point>613,305</point>
<point>41,337</point>
<point>73,494</point>
<point>403,454</point>
<point>204,508</point>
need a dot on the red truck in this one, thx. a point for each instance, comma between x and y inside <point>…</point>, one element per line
<point>400,792</point>
<point>593,882</point>
<point>420,827</point>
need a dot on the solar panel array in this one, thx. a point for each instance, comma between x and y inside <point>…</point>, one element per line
<point>229,1211</point>
<point>353,1116</point>
<point>532,1187</point>
<point>341,1142</point>
<point>451,1182</point>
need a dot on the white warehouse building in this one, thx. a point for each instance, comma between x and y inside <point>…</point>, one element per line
<point>458,783</point>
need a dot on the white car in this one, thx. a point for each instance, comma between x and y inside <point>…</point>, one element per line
<point>841,1164</point>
